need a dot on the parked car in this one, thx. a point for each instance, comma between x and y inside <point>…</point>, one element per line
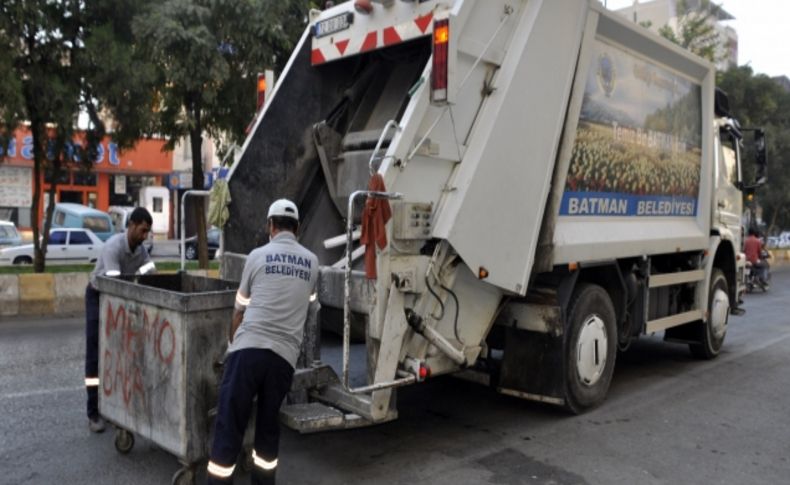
<point>120,219</point>
<point>190,244</point>
<point>64,246</point>
<point>9,236</point>
<point>68,214</point>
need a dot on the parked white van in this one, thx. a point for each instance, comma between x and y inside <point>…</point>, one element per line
<point>157,201</point>
<point>67,215</point>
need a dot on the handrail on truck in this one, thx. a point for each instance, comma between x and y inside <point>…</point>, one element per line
<point>390,125</point>
<point>347,295</point>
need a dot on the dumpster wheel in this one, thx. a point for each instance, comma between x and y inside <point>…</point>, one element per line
<point>184,476</point>
<point>124,441</point>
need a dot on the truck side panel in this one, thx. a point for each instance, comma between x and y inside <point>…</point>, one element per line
<point>634,173</point>
<point>494,216</point>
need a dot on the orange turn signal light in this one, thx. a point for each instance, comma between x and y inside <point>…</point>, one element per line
<point>482,273</point>
<point>441,35</point>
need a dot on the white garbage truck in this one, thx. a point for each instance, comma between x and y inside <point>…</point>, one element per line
<point>560,182</point>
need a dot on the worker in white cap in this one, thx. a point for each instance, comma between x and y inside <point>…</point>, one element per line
<point>265,337</point>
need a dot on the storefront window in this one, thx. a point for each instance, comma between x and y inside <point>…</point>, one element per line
<point>9,214</point>
<point>63,178</point>
<point>74,196</point>
<point>85,178</point>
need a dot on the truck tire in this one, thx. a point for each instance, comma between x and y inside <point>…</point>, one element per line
<point>591,348</point>
<point>714,329</point>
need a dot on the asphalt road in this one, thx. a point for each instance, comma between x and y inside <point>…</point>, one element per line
<point>669,419</point>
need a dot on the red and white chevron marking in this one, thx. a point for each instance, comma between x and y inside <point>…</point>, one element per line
<point>330,49</point>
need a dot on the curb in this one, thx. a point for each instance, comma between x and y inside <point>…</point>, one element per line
<point>779,256</point>
<point>43,294</point>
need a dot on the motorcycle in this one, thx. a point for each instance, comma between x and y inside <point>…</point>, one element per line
<point>753,279</point>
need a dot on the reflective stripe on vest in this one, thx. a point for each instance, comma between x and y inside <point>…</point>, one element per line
<point>91,382</point>
<point>241,300</point>
<point>219,470</point>
<point>261,463</point>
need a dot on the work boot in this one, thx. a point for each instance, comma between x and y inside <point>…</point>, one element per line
<point>96,425</point>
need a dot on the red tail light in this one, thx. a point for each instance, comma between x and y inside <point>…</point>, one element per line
<point>439,73</point>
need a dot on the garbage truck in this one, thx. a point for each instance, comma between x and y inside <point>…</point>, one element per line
<point>538,184</point>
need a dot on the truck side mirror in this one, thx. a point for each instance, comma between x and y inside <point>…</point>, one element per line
<point>761,175</point>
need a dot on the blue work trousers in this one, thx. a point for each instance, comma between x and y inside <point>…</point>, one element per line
<point>250,373</point>
<point>92,350</point>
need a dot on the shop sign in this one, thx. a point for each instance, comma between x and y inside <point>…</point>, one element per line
<point>104,151</point>
<point>120,184</point>
<point>183,180</point>
<point>16,186</point>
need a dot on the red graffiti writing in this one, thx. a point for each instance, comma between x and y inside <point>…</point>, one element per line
<point>134,345</point>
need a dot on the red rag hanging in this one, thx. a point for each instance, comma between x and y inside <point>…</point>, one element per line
<point>375,216</point>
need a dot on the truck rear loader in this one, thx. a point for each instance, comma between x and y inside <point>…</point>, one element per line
<point>560,181</point>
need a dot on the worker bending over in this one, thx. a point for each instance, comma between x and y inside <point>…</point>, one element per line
<point>265,337</point>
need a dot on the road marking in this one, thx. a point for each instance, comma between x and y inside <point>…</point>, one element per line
<point>39,392</point>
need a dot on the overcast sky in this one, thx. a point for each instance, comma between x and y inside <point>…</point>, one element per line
<point>763,28</point>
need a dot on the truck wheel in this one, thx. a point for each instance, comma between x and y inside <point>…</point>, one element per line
<point>714,330</point>
<point>591,348</point>
<point>23,260</point>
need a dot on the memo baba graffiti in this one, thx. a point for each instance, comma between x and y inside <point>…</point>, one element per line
<point>136,345</point>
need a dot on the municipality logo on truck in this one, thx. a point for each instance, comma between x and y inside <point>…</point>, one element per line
<point>638,144</point>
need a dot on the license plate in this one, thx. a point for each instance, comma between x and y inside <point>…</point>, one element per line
<point>333,24</point>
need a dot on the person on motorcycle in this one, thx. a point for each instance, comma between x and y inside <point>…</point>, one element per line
<point>756,256</point>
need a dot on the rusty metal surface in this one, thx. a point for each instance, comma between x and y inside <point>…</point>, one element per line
<point>231,266</point>
<point>160,341</point>
<point>330,289</point>
<point>311,417</point>
<point>180,292</point>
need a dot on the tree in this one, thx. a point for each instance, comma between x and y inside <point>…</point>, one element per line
<point>695,29</point>
<point>208,54</point>
<point>49,75</point>
<point>759,101</point>
<point>755,100</point>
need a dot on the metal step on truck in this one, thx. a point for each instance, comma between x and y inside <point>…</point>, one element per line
<point>560,180</point>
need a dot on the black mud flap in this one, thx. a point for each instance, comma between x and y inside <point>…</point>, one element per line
<point>533,367</point>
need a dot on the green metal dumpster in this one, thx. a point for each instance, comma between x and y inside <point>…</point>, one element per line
<point>161,339</point>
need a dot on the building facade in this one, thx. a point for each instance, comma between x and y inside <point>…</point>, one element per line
<point>116,178</point>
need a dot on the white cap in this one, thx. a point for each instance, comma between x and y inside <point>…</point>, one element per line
<point>283,208</point>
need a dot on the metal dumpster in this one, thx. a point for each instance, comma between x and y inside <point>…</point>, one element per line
<point>161,337</point>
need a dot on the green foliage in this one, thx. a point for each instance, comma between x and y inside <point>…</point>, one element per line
<point>61,58</point>
<point>758,101</point>
<point>695,30</point>
<point>208,54</point>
